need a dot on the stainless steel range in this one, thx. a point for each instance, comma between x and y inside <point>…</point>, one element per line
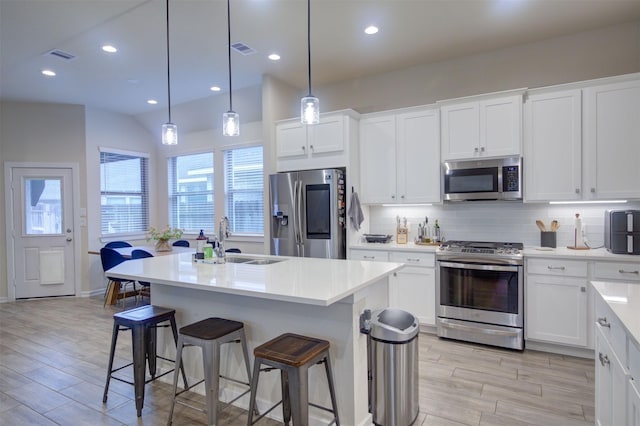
<point>480,292</point>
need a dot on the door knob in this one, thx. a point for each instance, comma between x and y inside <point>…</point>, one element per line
<point>69,239</point>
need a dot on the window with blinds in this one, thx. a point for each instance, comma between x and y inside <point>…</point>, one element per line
<point>191,192</point>
<point>243,190</point>
<point>123,192</point>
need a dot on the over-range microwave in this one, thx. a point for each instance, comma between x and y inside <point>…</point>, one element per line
<point>490,179</point>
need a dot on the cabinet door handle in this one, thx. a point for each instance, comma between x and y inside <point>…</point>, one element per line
<point>604,323</point>
<point>475,149</point>
<point>583,289</point>
<point>559,268</point>
<point>402,196</point>
<point>368,257</point>
<point>412,259</point>
<point>593,190</point>
<point>577,190</point>
<point>311,147</point>
<point>622,271</point>
<point>304,148</point>
<point>393,197</point>
<point>604,359</point>
<point>482,149</point>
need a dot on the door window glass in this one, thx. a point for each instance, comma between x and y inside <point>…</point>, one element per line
<point>43,206</point>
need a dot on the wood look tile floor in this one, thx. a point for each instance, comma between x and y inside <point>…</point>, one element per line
<point>54,352</point>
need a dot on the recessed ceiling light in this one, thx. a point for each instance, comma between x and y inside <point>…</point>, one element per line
<point>371,30</point>
<point>109,48</point>
<point>152,102</point>
<point>48,73</point>
<point>215,89</point>
<point>274,57</point>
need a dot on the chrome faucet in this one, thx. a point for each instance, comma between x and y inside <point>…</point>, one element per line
<point>223,233</point>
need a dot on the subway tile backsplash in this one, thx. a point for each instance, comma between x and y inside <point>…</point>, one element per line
<point>497,221</point>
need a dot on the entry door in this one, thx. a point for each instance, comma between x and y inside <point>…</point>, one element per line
<point>43,243</point>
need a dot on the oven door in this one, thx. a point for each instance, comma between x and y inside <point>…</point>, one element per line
<point>482,183</point>
<point>484,293</point>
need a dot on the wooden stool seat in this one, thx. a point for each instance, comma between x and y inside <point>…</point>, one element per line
<point>293,355</point>
<point>211,328</point>
<point>291,349</point>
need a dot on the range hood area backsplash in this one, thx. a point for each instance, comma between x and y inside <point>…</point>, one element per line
<point>497,221</point>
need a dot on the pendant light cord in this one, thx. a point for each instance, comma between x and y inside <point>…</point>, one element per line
<point>309,42</point>
<point>168,66</point>
<point>229,52</point>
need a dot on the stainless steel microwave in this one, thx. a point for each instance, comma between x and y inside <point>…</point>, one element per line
<point>491,179</point>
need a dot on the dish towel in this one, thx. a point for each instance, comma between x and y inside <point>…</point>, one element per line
<point>355,212</point>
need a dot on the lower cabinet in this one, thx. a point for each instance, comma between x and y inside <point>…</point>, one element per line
<point>611,384</point>
<point>412,288</point>
<point>556,304</point>
<point>633,402</point>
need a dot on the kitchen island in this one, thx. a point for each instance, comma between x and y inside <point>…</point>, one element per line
<point>317,297</point>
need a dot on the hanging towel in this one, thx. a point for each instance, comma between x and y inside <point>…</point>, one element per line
<point>355,212</point>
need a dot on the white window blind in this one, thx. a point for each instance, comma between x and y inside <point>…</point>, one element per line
<point>123,192</point>
<point>191,192</point>
<point>243,190</point>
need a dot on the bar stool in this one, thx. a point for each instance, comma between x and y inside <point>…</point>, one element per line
<point>209,334</point>
<point>143,323</point>
<point>293,355</point>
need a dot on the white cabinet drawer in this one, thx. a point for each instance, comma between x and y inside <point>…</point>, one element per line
<point>413,259</point>
<point>612,329</point>
<point>617,271</point>
<point>634,361</point>
<point>371,255</point>
<point>559,267</point>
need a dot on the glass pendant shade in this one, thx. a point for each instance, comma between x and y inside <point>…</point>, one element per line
<point>310,110</point>
<point>169,134</point>
<point>230,123</point>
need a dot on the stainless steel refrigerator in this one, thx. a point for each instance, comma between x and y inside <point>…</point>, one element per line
<point>308,213</point>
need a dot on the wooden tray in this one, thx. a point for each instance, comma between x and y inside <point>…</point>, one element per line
<point>419,243</point>
<point>578,248</point>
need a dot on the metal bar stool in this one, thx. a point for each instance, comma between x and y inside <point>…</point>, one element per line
<point>293,355</point>
<point>143,323</point>
<point>209,334</point>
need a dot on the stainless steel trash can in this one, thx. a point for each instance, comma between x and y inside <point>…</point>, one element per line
<point>393,367</point>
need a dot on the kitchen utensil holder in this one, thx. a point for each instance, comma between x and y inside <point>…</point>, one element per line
<point>548,239</point>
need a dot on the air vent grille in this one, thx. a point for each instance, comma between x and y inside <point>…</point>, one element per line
<point>61,54</point>
<point>243,48</point>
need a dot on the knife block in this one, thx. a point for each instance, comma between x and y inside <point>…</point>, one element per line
<point>402,235</point>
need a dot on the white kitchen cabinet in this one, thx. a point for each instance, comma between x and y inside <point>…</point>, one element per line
<point>553,146</point>
<point>611,384</point>
<point>633,403</point>
<point>556,301</point>
<point>611,147</point>
<point>489,127</point>
<point>413,288</point>
<point>323,145</point>
<point>399,157</point>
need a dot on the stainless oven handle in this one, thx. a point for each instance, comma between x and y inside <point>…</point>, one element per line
<point>445,324</point>
<point>485,267</point>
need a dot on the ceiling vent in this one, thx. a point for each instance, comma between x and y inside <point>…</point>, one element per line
<point>243,48</point>
<point>61,54</point>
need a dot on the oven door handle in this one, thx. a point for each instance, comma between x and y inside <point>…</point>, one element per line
<point>484,267</point>
<point>446,324</point>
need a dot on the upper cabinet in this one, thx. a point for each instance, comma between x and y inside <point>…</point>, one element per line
<point>483,128</point>
<point>324,145</point>
<point>582,143</point>
<point>553,146</point>
<point>399,157</point>
<point>612,141</point>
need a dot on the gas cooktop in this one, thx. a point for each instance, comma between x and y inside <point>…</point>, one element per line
<point>484,249</point>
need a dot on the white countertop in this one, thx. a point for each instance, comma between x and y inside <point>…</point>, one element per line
<point>300,280</point>
<point>624,301</point>
<point>559,252</point>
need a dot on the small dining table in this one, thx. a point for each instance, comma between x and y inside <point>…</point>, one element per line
<point>114,291</point>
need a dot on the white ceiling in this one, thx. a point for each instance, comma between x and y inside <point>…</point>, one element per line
<point>412,32</point>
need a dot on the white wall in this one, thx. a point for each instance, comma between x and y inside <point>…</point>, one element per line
<point>45,133</point>
<point>497,221</point>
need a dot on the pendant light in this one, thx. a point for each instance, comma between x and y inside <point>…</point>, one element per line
<point>309,105</point>
<point>230,119</point>
<point>169,130</point>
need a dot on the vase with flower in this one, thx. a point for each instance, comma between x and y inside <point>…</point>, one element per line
<point>162,237</point>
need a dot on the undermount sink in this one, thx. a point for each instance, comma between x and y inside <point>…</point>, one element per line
<point>252,260</point>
